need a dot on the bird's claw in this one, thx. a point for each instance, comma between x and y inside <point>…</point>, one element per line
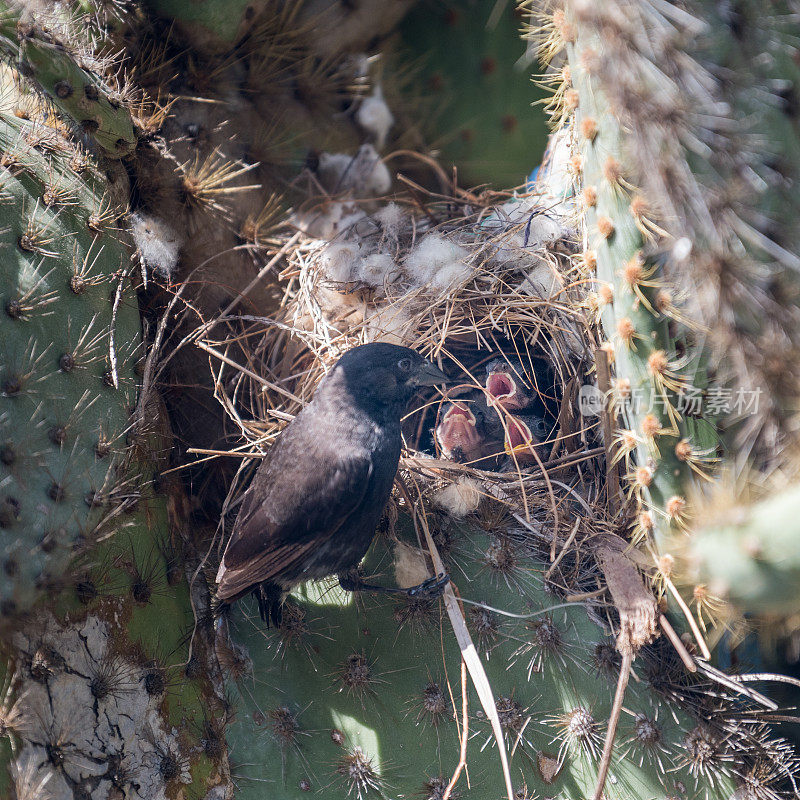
<point>431,588</point>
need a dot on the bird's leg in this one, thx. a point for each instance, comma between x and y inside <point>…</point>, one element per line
<point>428,590</point>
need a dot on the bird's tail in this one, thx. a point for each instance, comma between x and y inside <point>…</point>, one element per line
<point>270,602</point>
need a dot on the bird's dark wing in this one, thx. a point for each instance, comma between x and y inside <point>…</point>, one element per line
<point>288,511</point>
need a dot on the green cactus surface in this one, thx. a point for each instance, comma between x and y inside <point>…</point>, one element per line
<point>479,81</point>
<point>362,697</point>
<point>214,25</point>
<point>79,94</point>
<point>750,556</point>
<point>110,695</point>
<point>71,338</point>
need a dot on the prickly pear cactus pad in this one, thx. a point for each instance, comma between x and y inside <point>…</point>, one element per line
<point>71,338</point>
<point>363,697</point>
<point>102,695</point>
<point>109,699</point>
<point>478,84</point>
<point>58,59</point>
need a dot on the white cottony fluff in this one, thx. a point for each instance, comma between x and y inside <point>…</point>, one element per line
<point>543,281</point>
<point>375,117</point>
<point>438,262</point>
<point>410,568</point>
<point>157,244</point>
<point>380,179</point>
<point>339,261</point>
<point>459,498</point>
<point>389,217</point>
<point>333,170</point>
<point>376,269</point>
<point>453,274</point>
<point>329,220</point>
<point>536,224</point>
<point>553,179</point>
<point>364,173</point>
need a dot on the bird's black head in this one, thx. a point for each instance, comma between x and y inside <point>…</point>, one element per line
<point>381,377</point>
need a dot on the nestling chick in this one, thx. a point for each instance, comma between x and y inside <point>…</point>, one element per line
<point>315,501</point>
<point>525,434</point>
<point>506,383</point>
<point>470,432</point>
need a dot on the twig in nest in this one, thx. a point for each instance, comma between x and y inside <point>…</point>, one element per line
<point>564,549</point>
<point>250,374</point>
<point>675,640</point>
<point>261,273</point>
<point>583,596</point>
<point>689,618</point>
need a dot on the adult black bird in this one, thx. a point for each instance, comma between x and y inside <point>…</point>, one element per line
<point>315,501</point>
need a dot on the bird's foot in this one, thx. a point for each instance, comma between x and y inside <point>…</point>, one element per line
<point>351,582</point>
<point>429,589</point>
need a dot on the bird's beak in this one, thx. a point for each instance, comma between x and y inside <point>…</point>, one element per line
<point>429,375</point>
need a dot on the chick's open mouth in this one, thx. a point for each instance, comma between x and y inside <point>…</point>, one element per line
<point>501,386</point>
<point>519,437</point>
<point>457,429</point>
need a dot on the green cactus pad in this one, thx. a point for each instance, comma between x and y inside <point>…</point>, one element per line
<point>751,555</point>
<point>214,25</point>
<point>354,698</point>
<point>79,95</point>
<point>71,336</point>
<point>114,691</point>
<point>477,71</point>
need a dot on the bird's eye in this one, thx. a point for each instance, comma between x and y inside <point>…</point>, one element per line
<point>404,364</point>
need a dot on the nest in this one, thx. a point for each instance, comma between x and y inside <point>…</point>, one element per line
<point>461,279</point>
